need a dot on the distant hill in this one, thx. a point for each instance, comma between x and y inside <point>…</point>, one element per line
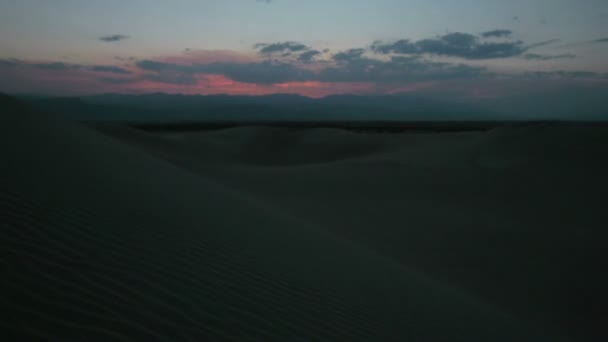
<point>574,103</point>
<point>165,107</point>
<point>589,105</point>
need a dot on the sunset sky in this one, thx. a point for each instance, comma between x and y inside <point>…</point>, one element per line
<point>315,48</point>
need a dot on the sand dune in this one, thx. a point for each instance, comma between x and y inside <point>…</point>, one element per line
<point>513,215</point>
<point>263,234</point>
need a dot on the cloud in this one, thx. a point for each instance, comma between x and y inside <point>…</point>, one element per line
<point>113,80</point>
<point>267,49</point>
<point>308,56</point>
<point>156,66</point>
<point>543,43</point>
<point>9,62</point>
<point>351,70</point>
<point>211,56</point>
<point>383,65</point>
<point>533,56</point>
<point>167,72</point>
<point>588,42</point>
<point>124,59</point>
<point>265,1</point>
<point>261,73</point>
<point>457,44</point>
<point>56,66</point>
<point>350,66</point>
<point>110,69</point>
<point>348,55</point>
<point>284,50</point>
<point>113,38</point>
<point>497,33</point>
<point>61,66</point>
<point>403,46</point>
<point>172,78</point>
<point>353,67</point>
<point>562,75</point>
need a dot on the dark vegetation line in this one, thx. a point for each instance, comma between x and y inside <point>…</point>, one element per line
<point>355,125</point>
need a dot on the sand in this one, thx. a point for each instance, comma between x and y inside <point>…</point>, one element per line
<point>270,234</point>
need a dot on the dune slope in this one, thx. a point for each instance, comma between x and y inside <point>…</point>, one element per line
<point>514,215</point>
<point>101,241</point>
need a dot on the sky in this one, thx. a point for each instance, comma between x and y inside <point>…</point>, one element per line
<point>472,48</point>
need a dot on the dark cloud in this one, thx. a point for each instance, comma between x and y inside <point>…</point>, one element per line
<point>298,51</point>
<point>267,49</point>
<point>124,59</point>
<point>172,78</point>
<point>149,65</point>
<point>400,62</point>
<point>110,69</point>
<point>113,38</point>
<point>61,66</point>
<point>533,56</point>
<point>168,72</point>
<point>10,62</point>
<point>113,80</point>
<point>349,55</point>
<point>463,45</point>
<point>385,64</point>
<point>353,67</point>
<point>57,66</point>
<point>588,42</point>
<point>308,56</point>
<point>265,1</point>
<point>262,73</point>
<point>403,46</point>
<point>557,75</point>
<point>497,33</point>
<point>543,43</point>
